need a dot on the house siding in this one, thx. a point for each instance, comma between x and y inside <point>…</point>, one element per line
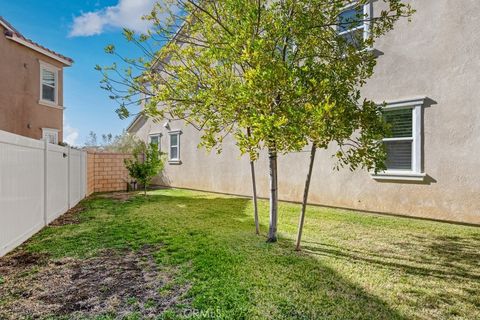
<point>20,91</point>
<point>436,55</point>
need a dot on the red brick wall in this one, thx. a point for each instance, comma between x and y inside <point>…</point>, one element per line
<point>106,172</point>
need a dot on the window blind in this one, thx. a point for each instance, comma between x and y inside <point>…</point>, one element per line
<point>48,85</point>
<point>399,145</point>
<point>399,155</point>
<point>401,123</point>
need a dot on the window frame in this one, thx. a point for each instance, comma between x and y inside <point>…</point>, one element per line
<point>157,135</point>
<point>47,131</point>
<point>48,67</point>
<point>416,173</point>
<point>177,159</point>
<point>145,96</point>
<point>367,11</point>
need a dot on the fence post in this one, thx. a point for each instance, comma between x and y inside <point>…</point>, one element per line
<point>85,173</point>
<point>45,184</point>
<point>69,179</point>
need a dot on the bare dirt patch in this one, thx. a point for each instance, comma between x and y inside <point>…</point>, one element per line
<point>22,260</point>
<point>114,282</point>
<point>119,196</point>
<point>72,216</point>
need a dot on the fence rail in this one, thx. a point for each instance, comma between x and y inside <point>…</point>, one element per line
<point>38,183</point>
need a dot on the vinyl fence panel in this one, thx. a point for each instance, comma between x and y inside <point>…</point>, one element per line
<point>57,181</point>
<point>77,176</point>
<point>38,183</point>
<point>21,189</point>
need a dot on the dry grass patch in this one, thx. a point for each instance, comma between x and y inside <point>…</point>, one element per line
<point>120,282</point>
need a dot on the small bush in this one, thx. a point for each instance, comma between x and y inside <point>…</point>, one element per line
<point>147,162</point>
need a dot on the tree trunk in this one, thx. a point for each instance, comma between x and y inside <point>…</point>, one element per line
<point>145,189</point>
<point>255,205</point>
<point>254,196</point>
<point>272,232</point>
<point>305,197</point>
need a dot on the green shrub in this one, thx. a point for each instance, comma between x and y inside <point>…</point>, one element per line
<point>147,162</point>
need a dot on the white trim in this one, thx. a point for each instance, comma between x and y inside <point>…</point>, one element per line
<point>399,139</point>
<point>5,25</point>
<point>146,98</point>
<point>399,175</point>
<point>403,103</point>
<point>351,30</point>
<point>46,66</point>
<point>177,159</point>
<point>159,136</point>
<point>417,139</point>
<point>38,49</point>
<point>134,122</point>
<point>367,12</point>
<point>46,131</point>
<point>50,104</point>
<point>416,174</point>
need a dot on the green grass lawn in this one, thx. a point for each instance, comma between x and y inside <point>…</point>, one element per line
<point>353,265</point>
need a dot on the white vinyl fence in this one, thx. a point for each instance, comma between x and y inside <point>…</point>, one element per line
<point>38,183</point>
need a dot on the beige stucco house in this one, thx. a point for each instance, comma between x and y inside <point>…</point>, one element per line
<point>31,86</point>
<point>429,75</point>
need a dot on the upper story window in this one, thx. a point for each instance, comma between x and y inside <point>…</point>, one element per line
<point>404,144</point>
<point>353,23</point>
<point>155,140</point>
<point>50,135</point>
<point>147,95</point>
<point>174,152</point>
<point>48,84</point>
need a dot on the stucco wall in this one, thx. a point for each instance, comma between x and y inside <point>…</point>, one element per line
<point>20,91</point>
<point>436,55</point>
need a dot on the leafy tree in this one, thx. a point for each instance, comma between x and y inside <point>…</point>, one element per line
<point>145,164</point>
<point>91,140</point>
<point>122,143</point>
<point>276,75</point>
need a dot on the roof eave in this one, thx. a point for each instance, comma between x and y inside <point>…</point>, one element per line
<point>21,41</point>
<point>134,122</point>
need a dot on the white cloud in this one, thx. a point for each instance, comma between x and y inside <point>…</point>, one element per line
<point>70,135</point>
<point>126,14</point>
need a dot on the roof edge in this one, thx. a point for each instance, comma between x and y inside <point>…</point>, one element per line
<point>134,121</point>
<point>14,35</point>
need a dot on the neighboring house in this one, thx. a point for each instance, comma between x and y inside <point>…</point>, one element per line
<point>429,76</point>
<point>31,86</point>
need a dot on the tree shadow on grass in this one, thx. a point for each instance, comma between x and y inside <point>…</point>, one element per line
<point>232,271</point>
<point>443,271</point>
<point>242,276</point>
<point>441,259</point>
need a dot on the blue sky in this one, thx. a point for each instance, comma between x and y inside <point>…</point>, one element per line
<point>80,29</point>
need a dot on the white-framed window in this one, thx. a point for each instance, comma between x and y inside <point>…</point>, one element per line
<point>156,140</point>
<point>147,95</point>
<point>404,144</point>
<point>48,84</point>
<point>353,22</point>
<point>174,147</point>
<point>50,135</point>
